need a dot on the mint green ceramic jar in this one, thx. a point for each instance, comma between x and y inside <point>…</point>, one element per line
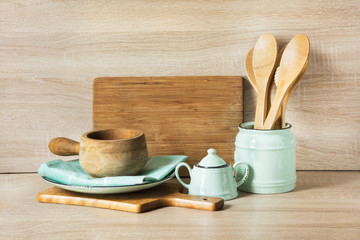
<point>270,155</point>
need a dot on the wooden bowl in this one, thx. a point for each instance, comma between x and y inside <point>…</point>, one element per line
<point>110,152</point>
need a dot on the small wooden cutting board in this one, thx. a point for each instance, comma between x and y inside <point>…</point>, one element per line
<point>167,194</point>
<point>179,115</point>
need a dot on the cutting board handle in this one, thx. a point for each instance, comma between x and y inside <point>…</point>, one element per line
<point>195,202</point>
<point>64,146</point>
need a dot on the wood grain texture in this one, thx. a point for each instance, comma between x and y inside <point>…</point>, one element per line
<point>165,195</point>
<point>179,115</point>
<point>324,205</point>
<point>52,50</point>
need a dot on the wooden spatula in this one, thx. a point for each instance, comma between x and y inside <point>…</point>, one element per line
<point>166,194</point>
<point>264,59</point>
<point>291,66</point>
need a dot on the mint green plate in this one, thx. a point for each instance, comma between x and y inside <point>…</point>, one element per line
<point>109,189</point>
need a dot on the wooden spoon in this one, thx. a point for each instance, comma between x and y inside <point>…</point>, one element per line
<point>291,66</point>
<point>252,79</point>
<point>264,59</point>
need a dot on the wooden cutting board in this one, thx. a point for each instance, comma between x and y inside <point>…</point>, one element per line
<point>166,194</point>
<point>179,115</point>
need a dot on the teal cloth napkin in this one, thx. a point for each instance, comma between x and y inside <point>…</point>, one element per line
<point>71,173</point>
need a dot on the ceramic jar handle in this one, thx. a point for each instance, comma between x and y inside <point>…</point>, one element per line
<point>177,173</point>
<point>241,181</point>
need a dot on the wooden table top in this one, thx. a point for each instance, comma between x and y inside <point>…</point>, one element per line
<point>324,205</point>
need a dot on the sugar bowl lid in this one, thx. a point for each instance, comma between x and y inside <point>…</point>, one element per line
<point>212,160</point>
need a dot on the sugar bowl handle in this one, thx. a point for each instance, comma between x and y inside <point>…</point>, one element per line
<point>243,179</point>
<point>177,173</point>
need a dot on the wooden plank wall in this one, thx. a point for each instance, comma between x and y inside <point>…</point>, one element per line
<point>50,52</point>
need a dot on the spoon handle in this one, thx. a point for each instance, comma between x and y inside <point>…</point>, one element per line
<point>261,107</point>
<point>279,118</point>
<point>274,110</point>
<point>283,108</point>
<point>268,97</point>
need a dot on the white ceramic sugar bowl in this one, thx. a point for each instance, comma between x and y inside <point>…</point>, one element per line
<point>213,177</point>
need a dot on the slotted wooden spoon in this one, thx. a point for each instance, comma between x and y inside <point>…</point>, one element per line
<point>263,60</point>
<point>278,123</point>
<point>292,63</point>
